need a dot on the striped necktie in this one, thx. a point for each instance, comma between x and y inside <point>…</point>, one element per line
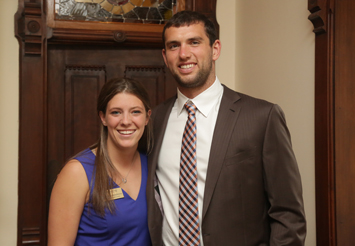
<point>189,228</point>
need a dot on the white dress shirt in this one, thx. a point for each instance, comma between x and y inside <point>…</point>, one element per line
<point>168,168</point>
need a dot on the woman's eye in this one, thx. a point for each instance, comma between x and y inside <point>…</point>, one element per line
<point>115,113</point>
<point>137,112</point>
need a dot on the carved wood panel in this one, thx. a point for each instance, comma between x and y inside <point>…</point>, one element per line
<point>73,124</point>
<point>153,78</point>
<point>81,90</point>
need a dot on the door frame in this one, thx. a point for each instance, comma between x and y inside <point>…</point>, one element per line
<point>322,17</point>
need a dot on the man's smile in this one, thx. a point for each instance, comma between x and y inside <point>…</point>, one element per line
<point>186,66</point>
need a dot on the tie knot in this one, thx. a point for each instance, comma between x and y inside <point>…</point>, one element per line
<point>190,107</point>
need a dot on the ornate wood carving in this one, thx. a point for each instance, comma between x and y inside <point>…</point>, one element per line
<point>29,28</point>
<point>119,36</point>
<point>85,68</point>
<point>319,15</point>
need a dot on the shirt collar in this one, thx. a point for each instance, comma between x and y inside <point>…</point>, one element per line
<point>204,101</point>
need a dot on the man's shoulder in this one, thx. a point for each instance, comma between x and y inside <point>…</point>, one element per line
<point>163,107</point>
<point>246,99</point>
<point>166,104</point>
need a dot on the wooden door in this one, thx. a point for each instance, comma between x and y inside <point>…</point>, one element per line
<point>63,65</point>
<point>75,76</point>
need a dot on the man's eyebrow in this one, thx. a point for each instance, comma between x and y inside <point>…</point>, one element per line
<point>196,38</point>
<point>172,42</point>
<point>189,39</point>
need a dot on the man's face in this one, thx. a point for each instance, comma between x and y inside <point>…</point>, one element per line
<point>190,57</point>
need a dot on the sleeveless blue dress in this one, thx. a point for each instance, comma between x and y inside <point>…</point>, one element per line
<point>129,226</point>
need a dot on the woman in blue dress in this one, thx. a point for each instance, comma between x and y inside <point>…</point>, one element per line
<point>99,196</point>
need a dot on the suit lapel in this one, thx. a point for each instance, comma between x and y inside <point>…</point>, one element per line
<point>160,119</point>
<point>228,112</point>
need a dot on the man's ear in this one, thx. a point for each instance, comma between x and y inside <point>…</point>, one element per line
<point>216,49</point>
<point>163,52</point>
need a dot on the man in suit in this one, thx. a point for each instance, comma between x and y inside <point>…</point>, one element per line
<point>248,184</point>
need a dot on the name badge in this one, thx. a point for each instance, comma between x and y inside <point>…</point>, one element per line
<point>116,193</point>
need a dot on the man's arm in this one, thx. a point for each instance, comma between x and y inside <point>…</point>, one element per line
<point>282,184</point>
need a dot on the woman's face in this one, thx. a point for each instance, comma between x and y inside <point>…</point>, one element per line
<point>125,119</point>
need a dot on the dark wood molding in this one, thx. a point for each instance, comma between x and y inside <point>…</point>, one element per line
<point>318,16</point>
<point>110,37</point>
<point>126,34</point>
<point>85,68</point>
<point>30,236</point>
<point>322,18</point>
<point>30,33</point>
<point>29,27</point>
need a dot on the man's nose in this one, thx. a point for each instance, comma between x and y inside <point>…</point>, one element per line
<point>184,52</point>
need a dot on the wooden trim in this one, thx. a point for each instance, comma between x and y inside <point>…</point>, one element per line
<point>64,31</point>
<point>109,26</point>
<point>111,37</point>
<point>32,129</point>
<point>149,35</point>
<point>322,19</point>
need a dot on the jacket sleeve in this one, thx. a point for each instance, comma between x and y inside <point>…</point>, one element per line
<point>282,184</point>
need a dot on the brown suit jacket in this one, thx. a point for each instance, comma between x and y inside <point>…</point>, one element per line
<point>253,192</point>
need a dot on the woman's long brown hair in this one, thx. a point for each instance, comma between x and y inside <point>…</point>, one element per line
<point>104,169</point>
